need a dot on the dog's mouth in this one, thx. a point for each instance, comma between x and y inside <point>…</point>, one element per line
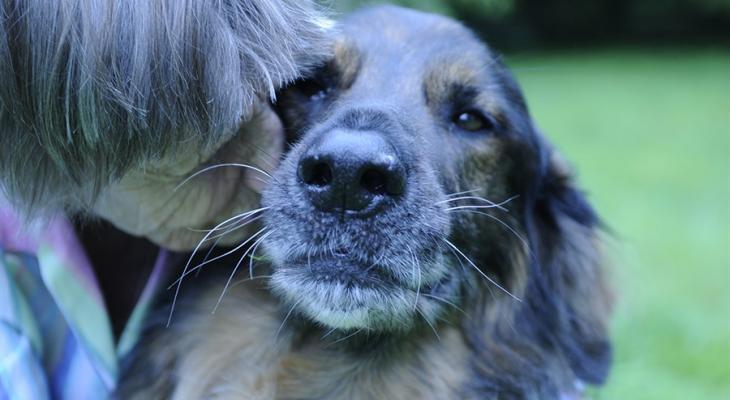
<point>340,290</point>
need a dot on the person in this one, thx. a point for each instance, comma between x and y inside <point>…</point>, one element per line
<point>106,109</point>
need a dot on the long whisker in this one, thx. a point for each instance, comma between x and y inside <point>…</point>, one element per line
<point>506,225</point>
<point>235,269</point>
<point>416,269</point>
<point>375,263</point>
<point>482,199</point>
<point>429,324</point>
<point>463,192</point>
<point>242,281</point>
<point>210,251</point>
<point>233,228</point>
<point>329,332</point>
<point>229,252</point>
<point>187,265</point>
<point>278,331</point>
<point>441,299</point>
<point>206,169</point>
<point>253,254</point>
<point>346,337</point>
<point>220,236</point>
<point>237,218</point>
<point>468,260</point>
<point>272,160</point>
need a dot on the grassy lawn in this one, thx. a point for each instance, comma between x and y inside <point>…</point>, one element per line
<point>649,132</point>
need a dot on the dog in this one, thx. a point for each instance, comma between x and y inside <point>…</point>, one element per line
<point>421,239</point>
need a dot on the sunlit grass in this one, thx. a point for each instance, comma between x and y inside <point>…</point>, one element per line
<point>649,133</point>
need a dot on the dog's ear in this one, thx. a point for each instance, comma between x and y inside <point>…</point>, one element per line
<point>571,265</point>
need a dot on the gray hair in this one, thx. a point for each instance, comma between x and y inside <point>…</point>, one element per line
<point>91,88</point>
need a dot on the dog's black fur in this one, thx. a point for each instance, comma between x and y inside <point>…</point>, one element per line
<point>521,283</point>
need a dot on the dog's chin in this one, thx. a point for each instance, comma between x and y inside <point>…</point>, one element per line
<point>339,293</point>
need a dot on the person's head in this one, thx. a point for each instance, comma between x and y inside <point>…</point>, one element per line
<point>107,106</point>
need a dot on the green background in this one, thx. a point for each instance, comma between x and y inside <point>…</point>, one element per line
<point>646,122</point>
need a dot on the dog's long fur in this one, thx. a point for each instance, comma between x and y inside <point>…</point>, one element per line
<point>523,317</point>
<point>93,88</point>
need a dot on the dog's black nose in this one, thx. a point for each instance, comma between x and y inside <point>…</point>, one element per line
<point>347,170</point>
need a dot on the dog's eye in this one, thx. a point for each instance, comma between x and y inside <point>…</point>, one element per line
<point>314,89</point>
<point>473,121</point>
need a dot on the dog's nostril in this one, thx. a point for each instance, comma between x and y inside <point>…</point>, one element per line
<point>384,178</point>
<point>321,175</point>
<point>374,181</point>
<point>315,172</point>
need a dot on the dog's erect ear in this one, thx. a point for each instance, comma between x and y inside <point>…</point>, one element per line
<point>569,236</point>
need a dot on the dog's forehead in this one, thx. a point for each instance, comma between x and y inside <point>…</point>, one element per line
<point>394,35</point>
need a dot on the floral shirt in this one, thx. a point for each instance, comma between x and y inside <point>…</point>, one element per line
<point>56,339</point>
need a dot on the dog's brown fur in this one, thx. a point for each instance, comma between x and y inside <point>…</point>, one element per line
<point>241,353</point>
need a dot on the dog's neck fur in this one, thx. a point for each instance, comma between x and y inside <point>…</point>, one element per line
<point>246,354</point>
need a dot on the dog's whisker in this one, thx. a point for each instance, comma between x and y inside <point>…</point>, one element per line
<point>429,323</point>
<point>329,332</point>
<point>210,251</point>
<point>463,192</point>
<point>342,339</point>
<point>218,257</point>
<point>233,228</point>
<point>253,278</point>
<point>235,269</point>
<point>475,207</point>
<point>447,302</point>
<point>231,221</point>
<point>507,226</point>
<point>375,263</point>
<point>416,268</point>
<point>273,161</point>
<point>220,237</point>
<point>187,265</point>
<point>468,260</point>
<point>492,204</point>
<point>253,254</point>
<point>212,167</point>
<point>283,322</point>
<point>264,181</point>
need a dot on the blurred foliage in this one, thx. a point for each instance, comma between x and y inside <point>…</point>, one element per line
<point>510,24</point>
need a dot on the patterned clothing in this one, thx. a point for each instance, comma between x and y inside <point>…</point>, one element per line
<point>56,339</point>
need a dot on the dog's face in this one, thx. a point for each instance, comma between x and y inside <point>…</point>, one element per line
<point>407,143</point>
<point>417,190</point>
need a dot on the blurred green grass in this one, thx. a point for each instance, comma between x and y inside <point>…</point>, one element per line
<point>649,133</point>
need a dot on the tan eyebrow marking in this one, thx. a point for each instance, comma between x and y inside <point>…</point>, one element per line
<point>346,62</point>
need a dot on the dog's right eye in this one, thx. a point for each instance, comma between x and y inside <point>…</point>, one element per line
<point>314,89</point>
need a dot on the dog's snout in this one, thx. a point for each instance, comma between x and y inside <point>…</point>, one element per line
<point>348,170</point>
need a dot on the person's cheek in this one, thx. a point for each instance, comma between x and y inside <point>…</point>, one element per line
<point>261,147</point>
